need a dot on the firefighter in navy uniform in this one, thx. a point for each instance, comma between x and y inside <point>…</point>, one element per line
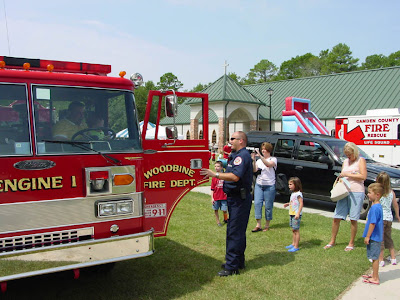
<point>237,185</point>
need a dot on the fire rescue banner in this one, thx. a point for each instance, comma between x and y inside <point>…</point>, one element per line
<point>369,130</point>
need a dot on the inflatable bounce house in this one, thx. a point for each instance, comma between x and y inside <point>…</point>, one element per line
<point>299,118</point>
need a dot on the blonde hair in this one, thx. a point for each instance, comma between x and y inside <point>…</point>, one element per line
<point>351,147</point>
<point>384,179</point>
<point>376,188</point>
<point>297,184</point>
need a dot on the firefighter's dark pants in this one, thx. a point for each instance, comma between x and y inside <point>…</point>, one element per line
<point>239,211</point>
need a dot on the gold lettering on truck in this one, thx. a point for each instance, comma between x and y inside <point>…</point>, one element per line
<point>73,181</point>
<point>32,184</point>
<point>169,168</point>
<point>56,182</point>
<point>24,184</point>
<point>172,183</point>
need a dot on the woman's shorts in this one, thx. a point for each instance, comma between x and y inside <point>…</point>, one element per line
<point>294,224</point>
<point>351,206</point>
<point>373,250</point>
<point>220,204</point>
<point>387,236</point>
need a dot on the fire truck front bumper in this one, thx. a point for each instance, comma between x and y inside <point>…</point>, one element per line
<point>74,256</point>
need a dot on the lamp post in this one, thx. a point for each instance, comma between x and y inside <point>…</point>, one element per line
<point>270,92</point>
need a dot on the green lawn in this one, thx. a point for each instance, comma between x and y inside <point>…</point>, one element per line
<point>186,263</point>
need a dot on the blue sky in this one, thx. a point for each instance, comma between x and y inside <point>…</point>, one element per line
<point>192,39</point>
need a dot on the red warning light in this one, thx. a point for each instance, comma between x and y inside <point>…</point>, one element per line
<point>59,66</point>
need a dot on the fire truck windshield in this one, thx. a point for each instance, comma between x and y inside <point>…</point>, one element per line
<point>62,113</point>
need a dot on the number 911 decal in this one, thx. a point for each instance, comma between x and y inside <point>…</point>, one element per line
<point>155,210</point>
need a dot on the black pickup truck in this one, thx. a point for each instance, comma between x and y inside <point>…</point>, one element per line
<point>317,160</point>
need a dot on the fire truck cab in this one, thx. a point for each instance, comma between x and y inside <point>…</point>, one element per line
<point>73,192</point>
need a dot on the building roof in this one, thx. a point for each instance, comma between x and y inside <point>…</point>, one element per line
<point>351,93</point>
<point>227,89</point>
<point>232,92</point>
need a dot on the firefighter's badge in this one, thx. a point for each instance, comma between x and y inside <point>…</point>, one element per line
<point>237,161</point>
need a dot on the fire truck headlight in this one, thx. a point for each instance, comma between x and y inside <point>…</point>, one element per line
<point>115,208</point>
<point>395,182</point>
<point>107,209</point>
<point>125,207</point>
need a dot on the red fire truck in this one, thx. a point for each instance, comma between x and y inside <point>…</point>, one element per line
<point>74,193</point>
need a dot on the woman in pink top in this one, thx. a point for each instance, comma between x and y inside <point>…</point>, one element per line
<point>354,169</point>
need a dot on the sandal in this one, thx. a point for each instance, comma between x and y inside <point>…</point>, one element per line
<point>367,276</point>
<point>348,248</point>
<point>328,246</point>
<point>370,282</point>
<point>266,229</point>
<point>256,229</point>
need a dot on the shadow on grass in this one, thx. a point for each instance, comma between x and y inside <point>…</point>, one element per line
<point>173,271</point>
<point>313,243</point>
<point>279,225</point>
<point>273,258</point>
<point>359,242</point>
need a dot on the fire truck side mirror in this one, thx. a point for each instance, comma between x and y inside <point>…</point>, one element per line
<point>137,79</point>
<point>171,132</point>
<point>171,105</point>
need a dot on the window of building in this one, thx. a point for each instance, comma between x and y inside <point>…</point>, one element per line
<point>214,137</point>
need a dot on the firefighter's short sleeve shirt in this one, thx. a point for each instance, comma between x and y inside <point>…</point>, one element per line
<point>240,164</point>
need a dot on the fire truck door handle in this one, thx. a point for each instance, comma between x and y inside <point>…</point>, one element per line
<point>149,151</point>
<point>299,168</point>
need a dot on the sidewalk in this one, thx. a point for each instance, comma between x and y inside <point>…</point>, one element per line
<point>389,275</point>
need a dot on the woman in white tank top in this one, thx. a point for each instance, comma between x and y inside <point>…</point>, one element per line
<point>354,169</point>
<point>264,189</point>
